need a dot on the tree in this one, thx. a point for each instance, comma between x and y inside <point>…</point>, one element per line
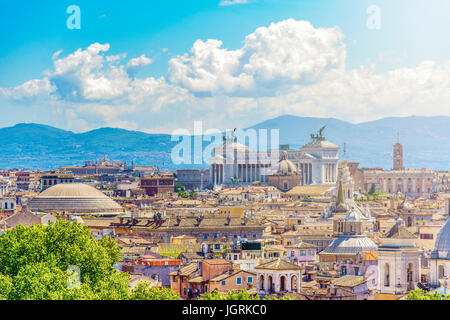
<point>192,194</point>
<point>419,294</point>
<point>179,187</point>
<point>38,259</point>
<point>5,287</point>
<point>144,291</point>
<point>62,261</point>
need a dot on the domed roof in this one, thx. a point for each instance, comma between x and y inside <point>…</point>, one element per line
<point>353,215</point>
<point>351,244</point>
<point>442,244</point>
<point>75,198</point>
<point>286,167</point>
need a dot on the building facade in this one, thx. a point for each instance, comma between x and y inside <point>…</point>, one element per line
<point>233,162</point>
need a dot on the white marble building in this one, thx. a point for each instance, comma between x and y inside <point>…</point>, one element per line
<point>234,163</point>
<point>318,160</point>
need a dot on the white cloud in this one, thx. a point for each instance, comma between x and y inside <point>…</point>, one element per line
<point>289,67</point>
<point>32,89</point>
<point>232,2</point>
<point>139,62</point>
<point>283,53</point>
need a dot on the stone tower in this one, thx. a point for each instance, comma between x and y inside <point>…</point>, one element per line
<point>398,155</point>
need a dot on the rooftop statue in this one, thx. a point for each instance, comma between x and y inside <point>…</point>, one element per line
<point>319,136</point>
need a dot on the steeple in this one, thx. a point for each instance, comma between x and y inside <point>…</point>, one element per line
<point>340,202</point>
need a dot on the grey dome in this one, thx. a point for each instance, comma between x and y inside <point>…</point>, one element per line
<point>351,244</point>
<point>442,244</point>
<point>74,198</point>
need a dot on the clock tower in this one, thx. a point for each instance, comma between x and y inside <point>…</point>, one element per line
<point>398,155</point>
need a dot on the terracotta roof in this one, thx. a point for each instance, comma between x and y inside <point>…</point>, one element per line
<point>278,264</point>
<point>348,281</point>
<point>319,190</point>
<point>399,232</point>
<point>302,245</point>
<point>24,217</point>
<point>186,270</point>
<point>217,261</point>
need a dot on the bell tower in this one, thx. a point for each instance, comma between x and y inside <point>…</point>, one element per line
<point>398,155</point>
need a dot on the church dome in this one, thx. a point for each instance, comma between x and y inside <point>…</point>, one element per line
<point>286,167</point>
<point>442,244</point>
<point>74,198</point>
<point>351,245</point>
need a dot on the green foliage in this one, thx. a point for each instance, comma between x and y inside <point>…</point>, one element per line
<point>62,244</point>
<point>192,194</point>
<point>37,263</point>
<point>179,187</point>
<point>143,291</point>
<point>419,294</point>
<point>6,286</point>
<point>172,252</point>
<point>231,295</point>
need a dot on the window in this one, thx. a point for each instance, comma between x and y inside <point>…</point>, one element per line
<point>250,279</point>
<point>292,253</point>
<point>223,282</point>
<point>302,252</point>
<point>238,280</point>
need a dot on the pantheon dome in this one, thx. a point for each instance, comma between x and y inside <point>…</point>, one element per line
<point>74,198</point>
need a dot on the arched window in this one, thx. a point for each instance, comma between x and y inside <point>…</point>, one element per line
<point>282,283</point>
<point>409,272</point>
<point>261,282</point>
<point>441,272</point>
<point>386,275</point>
<point>294,283</point>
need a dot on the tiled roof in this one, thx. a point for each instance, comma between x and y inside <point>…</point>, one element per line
<point>399,232</point>
<point>278,264</point>
<point>318,190</point>
<point>348,281</point>
<point>186,270</point>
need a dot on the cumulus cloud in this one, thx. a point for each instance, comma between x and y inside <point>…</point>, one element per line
<point>289,67</point>
<point>32,89</point>
<point>284,53</point>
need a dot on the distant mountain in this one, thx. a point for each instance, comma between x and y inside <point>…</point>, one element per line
<point>425,141</point>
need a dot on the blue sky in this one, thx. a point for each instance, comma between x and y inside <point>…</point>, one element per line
<point>411,32</point>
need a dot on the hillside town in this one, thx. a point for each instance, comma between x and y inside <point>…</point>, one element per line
<point>311,227</point>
